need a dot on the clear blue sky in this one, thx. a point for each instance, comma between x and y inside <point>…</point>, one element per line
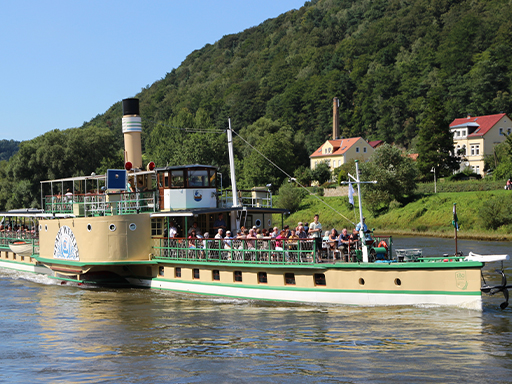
<point>64,62</point>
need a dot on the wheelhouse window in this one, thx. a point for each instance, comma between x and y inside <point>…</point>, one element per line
<point>177,179</point>
<point>213,178</point>
<point>197,178</point>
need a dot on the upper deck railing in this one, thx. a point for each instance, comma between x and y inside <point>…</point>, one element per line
<point>246,197</point>
<point>102,204</point>
<point>262,251</point>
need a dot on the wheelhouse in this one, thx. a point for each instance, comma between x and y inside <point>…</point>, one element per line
<point>187,187</point>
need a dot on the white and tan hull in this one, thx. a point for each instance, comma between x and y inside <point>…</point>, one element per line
<point>319,296</point>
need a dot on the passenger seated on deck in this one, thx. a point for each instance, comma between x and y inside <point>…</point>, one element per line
<point>195,228</point>
<point>333,239</point>
<point>354,236</point>
<point>301,232</point>
<point>279,240</point>
<point>192,240</point>
<point>346,240</point>
<point>227,240</point>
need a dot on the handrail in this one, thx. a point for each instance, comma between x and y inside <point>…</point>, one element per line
<point>267,251</point>
<point>84,205</point>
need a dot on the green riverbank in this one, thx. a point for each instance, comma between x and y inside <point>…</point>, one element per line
<point>429,215</point>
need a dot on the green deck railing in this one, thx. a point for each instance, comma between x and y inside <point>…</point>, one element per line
<point>102,204</point>
<point>7,237</point>
<point>236,250</point>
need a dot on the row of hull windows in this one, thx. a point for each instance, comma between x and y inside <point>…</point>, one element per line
<point>289,278</point>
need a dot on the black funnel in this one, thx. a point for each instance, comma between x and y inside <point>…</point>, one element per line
<point>130,107</point>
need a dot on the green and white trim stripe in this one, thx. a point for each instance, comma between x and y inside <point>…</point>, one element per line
<point>472,300</point>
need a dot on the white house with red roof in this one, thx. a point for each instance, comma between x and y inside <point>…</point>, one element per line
<point>474,137</point>
<point>340,151</point>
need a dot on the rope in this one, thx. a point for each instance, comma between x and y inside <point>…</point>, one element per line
<point>292,178</point>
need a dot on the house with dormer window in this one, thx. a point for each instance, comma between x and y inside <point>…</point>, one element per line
<point>475,137</point>
<point>340,151</point>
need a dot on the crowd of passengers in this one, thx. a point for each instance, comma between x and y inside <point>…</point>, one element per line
<point>8,230</point>
<point>332,240</point>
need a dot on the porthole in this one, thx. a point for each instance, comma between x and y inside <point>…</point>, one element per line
<point>258,223</point>
<point>40,227</point>
<point>46,228</point>
<point>89,227</point>
<point>112,227</point>
<point>361,281</point>
<point>269,222</point>
<point>133,226</point>
<point>398,282</point>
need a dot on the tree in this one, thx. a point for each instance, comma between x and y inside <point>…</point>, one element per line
<point>395,173</point>
<point>290,196</point>
<point>304,175</point>
<point>322,173</point>
<point>435,142</point>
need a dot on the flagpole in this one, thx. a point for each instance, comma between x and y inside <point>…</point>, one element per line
<point>455,225</point>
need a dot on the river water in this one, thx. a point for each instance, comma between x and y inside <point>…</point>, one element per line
<point>68,334</point>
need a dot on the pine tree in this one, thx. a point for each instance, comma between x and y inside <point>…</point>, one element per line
<point>435,142</point>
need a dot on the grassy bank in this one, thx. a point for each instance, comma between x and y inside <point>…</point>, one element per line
<point>430,215</point>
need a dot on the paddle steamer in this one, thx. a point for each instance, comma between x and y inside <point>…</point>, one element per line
<point>115,229</point>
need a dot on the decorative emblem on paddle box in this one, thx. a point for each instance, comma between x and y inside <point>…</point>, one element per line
<point>65,245</point>
<point>460,278</point>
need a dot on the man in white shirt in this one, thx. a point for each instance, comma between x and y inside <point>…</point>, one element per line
<point>315,230</point>
<point>172,230</point>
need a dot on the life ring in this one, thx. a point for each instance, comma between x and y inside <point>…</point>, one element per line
<point>383,244</point>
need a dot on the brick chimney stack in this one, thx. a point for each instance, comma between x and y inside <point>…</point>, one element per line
<point>335,119</point>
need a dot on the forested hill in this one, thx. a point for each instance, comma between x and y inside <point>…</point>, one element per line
<point>8,148</point>
<point>383,58</point>
<point>386,60</point>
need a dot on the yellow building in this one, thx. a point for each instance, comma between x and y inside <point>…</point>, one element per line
<point>474,137</point>
<point>340,151</point>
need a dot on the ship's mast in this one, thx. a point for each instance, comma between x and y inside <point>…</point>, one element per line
<point>362,235</point>
<point>235,222</point>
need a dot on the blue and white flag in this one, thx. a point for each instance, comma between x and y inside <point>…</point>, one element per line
<point>455,221</point>
<point>350,193</point>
